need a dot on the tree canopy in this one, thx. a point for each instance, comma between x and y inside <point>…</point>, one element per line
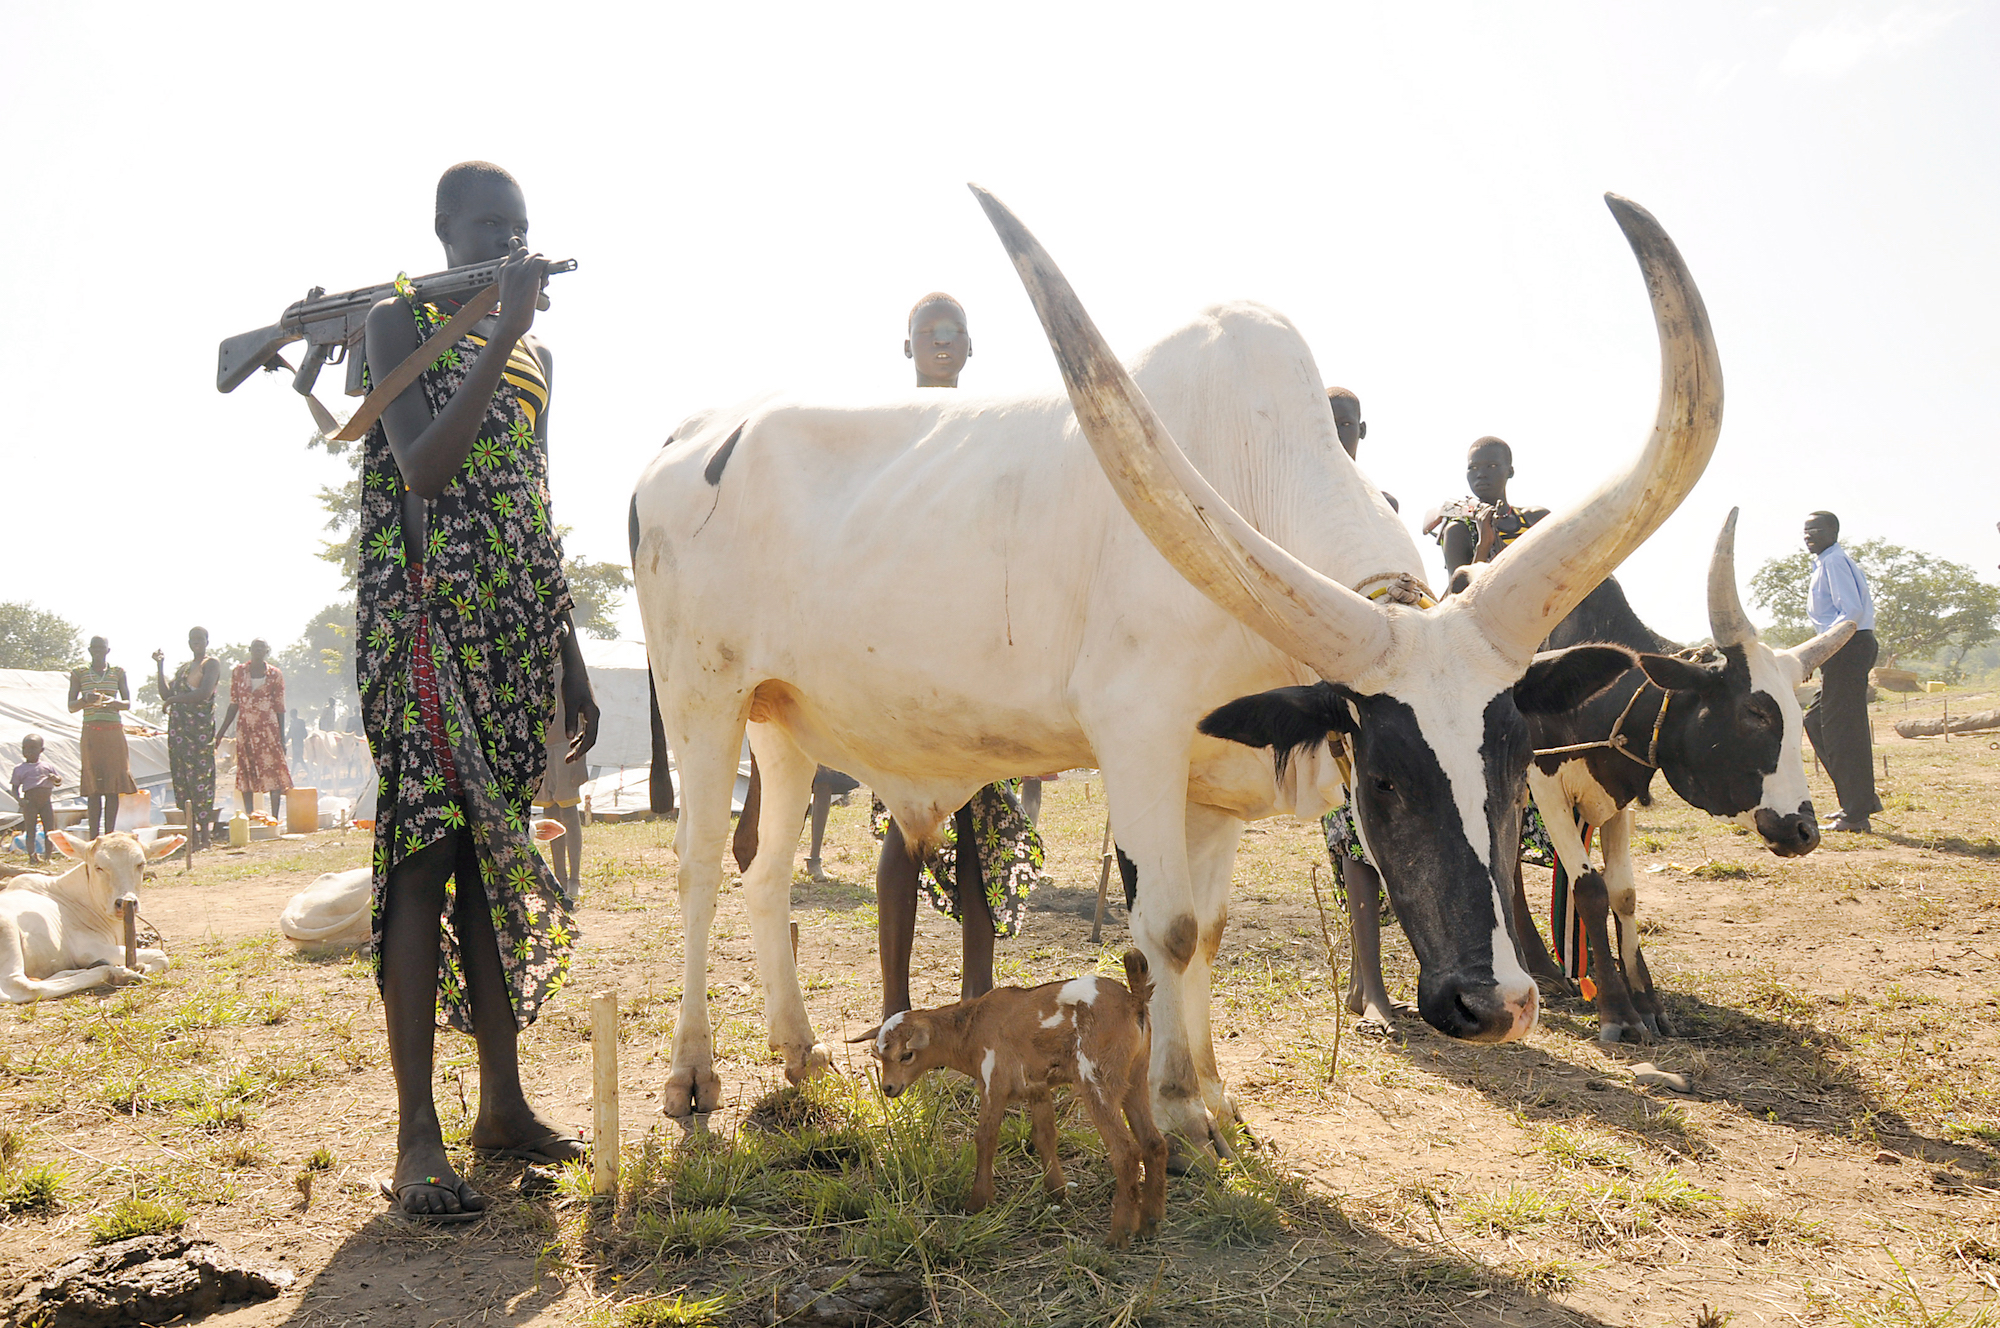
<point>1926,608</point>
<point>32,638</point>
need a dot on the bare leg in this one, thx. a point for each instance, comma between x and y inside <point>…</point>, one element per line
<point>1367,994</point>
<point>505,1119</point>
<point>1031,799</point>
<point>821,806</point>
<point>93,812</point>
<point>896,918</point>
<point>275,795</point>
<point>567,858</point>
<point>975,915</point>
<point>411,906</point>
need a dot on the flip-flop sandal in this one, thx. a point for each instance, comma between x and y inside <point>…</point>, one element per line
<point>536,1153</point>
<point>394,1196</point>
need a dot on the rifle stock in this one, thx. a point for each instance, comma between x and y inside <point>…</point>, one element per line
<point>244,354</point>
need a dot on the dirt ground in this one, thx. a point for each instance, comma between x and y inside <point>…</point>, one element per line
<point>1837,1160</point>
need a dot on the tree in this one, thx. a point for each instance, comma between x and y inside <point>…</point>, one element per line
<point>319,666</point>
<point>597,588</point>
<point>1926,608</point>
<point>342,503</point>
<point>32,638</point>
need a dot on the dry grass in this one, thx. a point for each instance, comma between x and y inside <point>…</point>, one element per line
<point>1839,1016</point>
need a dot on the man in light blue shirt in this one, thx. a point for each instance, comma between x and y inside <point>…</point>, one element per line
<point>1837,724</point>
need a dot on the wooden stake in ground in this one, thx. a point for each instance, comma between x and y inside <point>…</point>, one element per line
<point>131,912</point>
<point>604,1093</point>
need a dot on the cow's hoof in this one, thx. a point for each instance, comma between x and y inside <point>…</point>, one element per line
<point>1612,1031</point>
<point>817,1061</point>
<point>691,1090</point>
<point>120,976</point>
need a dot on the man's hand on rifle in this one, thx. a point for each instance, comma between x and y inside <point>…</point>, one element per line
<point>521,276</point>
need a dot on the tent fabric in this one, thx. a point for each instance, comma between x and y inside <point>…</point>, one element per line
<point>625,724</point>
<point>37,701</point>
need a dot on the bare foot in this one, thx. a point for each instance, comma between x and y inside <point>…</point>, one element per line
<point>529,1135</point>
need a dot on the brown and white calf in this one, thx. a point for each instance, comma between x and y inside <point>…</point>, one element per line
<point>64,934</point>
<point>1018,1043</point>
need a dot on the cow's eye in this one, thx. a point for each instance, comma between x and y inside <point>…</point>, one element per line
<point>907,1056</point>
<point>1385,786</point>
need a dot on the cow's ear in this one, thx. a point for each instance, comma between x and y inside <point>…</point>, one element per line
<point>1286,718</point>
<point>1679,675</point>
<point>69,845</point>
<point>869,1036</point>
<point>163,846</point>
<point>1562,680</point>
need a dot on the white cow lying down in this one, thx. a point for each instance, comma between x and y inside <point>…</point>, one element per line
<point>333,910</point>
<point>62,934</point>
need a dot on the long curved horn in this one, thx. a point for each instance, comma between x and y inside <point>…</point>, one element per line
<point>1308,616</point>
<point>1811,654</point>
<point>1727,622</point>
<point>1538,579</point>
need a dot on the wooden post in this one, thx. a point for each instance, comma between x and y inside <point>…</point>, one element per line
<point>1105,856</point>
<point>604,1094</point>
<point>131,912</point>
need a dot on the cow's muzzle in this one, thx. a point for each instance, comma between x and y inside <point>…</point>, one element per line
<point>1475,1008</point>
<point>1789,836</point>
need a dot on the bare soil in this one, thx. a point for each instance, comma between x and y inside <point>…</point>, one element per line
<point>1837,1160</point>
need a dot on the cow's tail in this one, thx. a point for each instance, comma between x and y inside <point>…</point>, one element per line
<point>660,782</point>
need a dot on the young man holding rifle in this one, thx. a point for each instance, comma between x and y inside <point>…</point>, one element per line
<point>462,614</point>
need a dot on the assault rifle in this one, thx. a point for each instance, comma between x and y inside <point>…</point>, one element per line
<point>332,327</point>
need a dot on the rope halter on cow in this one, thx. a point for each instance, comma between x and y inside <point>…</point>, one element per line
<point>1618,742</point>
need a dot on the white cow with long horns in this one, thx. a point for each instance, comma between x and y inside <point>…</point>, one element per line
<point>876,589</point>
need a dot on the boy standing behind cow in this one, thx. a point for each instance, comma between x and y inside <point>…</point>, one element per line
<point>33,788</point>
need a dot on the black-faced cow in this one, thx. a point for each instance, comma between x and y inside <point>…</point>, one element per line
<point>1720,722</point>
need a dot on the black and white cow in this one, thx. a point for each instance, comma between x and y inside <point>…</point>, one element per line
<point>1720,722</point>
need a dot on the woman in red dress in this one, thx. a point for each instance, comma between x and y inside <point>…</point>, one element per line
<point>257,698</point>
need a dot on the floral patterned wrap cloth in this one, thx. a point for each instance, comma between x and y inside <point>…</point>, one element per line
<point>1009,853</point>
<point>1343,844</point>
<point>459,735</point>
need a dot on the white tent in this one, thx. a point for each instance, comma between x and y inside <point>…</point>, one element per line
<point>35,701</point>
<point>625,724</point>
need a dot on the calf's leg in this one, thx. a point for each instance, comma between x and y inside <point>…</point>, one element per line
<point>1124,1153</point>
<point>992,1111</point>
<point>1138,1108</point>
<point>1042,1116</point>
<point>1623,886</point>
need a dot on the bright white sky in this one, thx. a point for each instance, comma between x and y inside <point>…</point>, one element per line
<point>757,193</point>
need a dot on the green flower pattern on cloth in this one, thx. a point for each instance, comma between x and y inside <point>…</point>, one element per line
<point>1009,850</point>
<point>491,588</point>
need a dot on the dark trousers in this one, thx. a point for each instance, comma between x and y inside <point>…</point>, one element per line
<point>1838,726</point>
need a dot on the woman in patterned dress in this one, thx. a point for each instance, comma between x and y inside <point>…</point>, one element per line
<point>462,611</point>
<point>257,696</point>
<point>190,703</point>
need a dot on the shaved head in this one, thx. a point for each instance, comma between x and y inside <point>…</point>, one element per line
<point>1347,421</point>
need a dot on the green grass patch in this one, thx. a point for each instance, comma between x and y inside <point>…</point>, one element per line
<point>136,1215</point>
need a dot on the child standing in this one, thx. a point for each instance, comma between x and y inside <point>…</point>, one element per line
<point>33,787</point>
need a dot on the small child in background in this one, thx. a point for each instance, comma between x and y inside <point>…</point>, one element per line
<point>33,786</point>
